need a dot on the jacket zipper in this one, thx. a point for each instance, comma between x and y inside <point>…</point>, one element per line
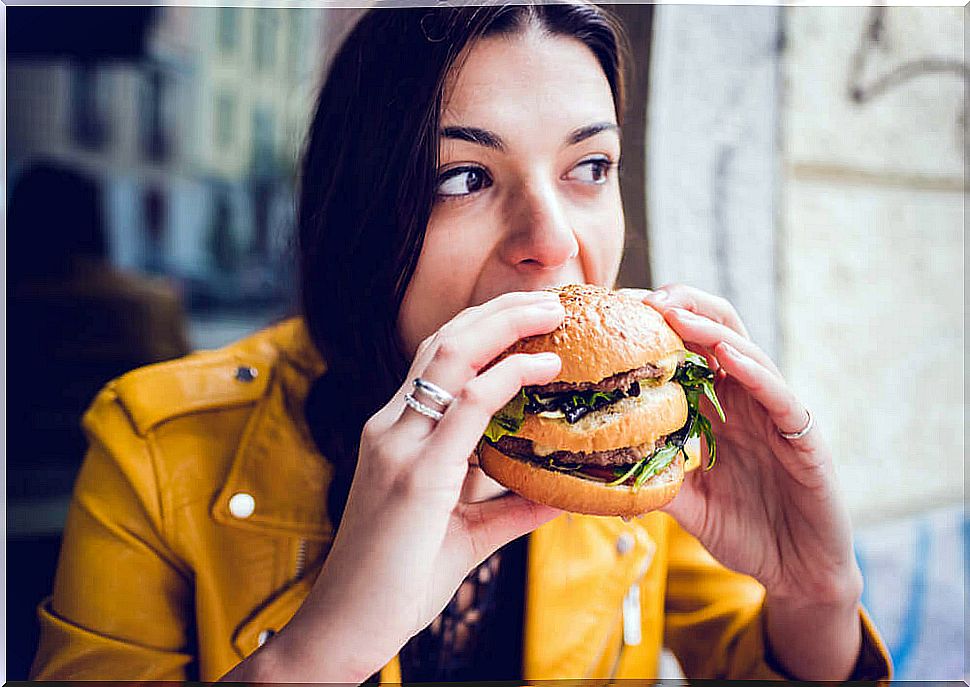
<point>631,615</point>
<point>300,558</point>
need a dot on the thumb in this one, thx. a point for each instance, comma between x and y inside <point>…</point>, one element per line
<point>688,507</point>
<point>494,523</point>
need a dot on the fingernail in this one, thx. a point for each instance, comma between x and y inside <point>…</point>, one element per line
<point>546,359</point>
<point>657,296</point>
<point>552,306</point>
<point>548,295</point>
<point>683,314</point>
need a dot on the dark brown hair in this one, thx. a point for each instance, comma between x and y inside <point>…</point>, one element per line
<point>367,188</point>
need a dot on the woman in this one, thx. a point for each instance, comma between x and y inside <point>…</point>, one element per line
<point>259,514</point>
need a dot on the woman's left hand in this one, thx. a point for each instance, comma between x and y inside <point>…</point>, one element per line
<point>769,508</point>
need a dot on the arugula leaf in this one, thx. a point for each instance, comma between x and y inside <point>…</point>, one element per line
<point>695,359</point>
<point>626,475</point>
<point>696,379</point>
<point>708,389</point>
<point>509,419</point>
<point>649,466</point>
<point>704,427</point>
<point>658,463</point>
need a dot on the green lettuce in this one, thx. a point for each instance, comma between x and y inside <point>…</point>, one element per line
<point>509,419</point>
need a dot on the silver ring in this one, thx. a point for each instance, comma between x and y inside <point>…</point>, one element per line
<point>803,431</point>
<point>437,394</point>
<point>427,411</point>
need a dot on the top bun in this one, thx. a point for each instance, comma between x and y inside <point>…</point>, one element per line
<point>604,333</point>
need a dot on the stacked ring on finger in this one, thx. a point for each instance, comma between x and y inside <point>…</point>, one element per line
<point>435,392</point>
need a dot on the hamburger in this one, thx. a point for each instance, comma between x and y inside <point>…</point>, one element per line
<point>613,433</point>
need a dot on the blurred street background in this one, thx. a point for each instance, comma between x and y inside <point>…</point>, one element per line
<point>807,163</point>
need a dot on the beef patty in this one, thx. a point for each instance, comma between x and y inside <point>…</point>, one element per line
<point>621,380</point>
<point>520,448</point>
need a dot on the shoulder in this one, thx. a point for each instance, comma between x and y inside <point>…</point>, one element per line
<point>234,376</point>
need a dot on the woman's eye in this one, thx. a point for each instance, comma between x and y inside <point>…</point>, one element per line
<point>463,181</point>
<point>593,171</point>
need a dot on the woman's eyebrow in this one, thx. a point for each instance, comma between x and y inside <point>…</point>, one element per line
<point>489,139</point>
<point>590,130</point>
<point>473,134</point>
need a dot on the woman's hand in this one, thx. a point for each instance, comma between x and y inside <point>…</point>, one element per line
<point>769,508</point>
<point>406,540</point>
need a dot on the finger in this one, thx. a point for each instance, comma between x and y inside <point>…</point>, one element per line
<point>688,507</point>
<point>465,349</point>
<point>770,391</point>
<point>471,317</point>
<point>703,331</point>
<point>785,410</point>
<point>463,425</point>
<point>637,294</point>
<point>697,301</point>
<point>494,523</point>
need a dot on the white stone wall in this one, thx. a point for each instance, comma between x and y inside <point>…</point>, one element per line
<point>871,252</point>
<point>712,155</point>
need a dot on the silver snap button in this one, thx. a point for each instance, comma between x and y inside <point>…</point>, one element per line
<point>263,636</point>
<point>242,505</point>
<point>244,373</point>
<point>624,543</point>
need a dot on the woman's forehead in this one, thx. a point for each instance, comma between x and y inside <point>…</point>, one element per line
<point>504,81</point>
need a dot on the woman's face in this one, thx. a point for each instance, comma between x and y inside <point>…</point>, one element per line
<point>528,194</point>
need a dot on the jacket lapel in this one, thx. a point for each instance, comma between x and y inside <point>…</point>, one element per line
<point>276,462</point>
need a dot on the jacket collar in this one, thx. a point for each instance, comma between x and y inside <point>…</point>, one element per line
<point>276,461</point>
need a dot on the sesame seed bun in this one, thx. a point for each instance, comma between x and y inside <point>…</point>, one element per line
<point>604,332</point>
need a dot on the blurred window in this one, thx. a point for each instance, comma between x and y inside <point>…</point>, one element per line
<point>264,44</point>
<point>89,123</point>
<point>225,120</point>
<point>228,29</point>
<point>263,152</point>
<point>154,219</point>
<point>151,125</point>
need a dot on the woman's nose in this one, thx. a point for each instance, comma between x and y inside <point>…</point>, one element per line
<point>541,235</point>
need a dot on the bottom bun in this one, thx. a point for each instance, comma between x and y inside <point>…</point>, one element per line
<point>576,494</point>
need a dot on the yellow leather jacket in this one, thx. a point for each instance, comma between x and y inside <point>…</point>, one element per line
<point>198,525</point>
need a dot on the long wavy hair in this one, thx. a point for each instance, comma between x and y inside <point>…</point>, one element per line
<point>367,186</point>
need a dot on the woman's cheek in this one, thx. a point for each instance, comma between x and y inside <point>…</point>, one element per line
<point>600,232</point>
<point>458,242</point>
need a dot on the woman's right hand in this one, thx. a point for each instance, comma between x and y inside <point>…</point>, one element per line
<point>406,539</point>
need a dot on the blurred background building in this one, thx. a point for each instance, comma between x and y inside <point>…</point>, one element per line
<point>191,136</point>
<point>169,136</point>
<point>808,163</point>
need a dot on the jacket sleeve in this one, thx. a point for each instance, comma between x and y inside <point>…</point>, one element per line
<point>714,621</point>
<point>121,607</point>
